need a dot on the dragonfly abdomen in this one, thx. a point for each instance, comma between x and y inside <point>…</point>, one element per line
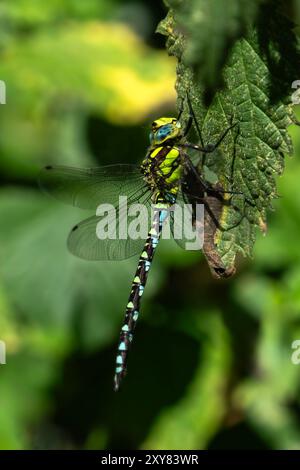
<point>137,290</point>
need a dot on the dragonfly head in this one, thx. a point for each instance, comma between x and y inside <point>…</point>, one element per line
<point>164,129</point>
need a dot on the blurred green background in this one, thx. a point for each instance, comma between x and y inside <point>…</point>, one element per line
<point>211,363</point>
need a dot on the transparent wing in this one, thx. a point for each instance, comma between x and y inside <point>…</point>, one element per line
<point>199,211</point>
<point>87,188</point>
<point>183,223</point>
<point>98,237</point>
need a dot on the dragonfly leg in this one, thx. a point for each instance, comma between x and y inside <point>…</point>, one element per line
<point>204,149</point>
<point>192,116</point>
<point>209,147</point>
<point>189,121</point>
<point>205,185</point>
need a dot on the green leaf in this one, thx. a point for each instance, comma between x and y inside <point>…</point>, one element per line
<point>256,95</point>
<point>211,28</point>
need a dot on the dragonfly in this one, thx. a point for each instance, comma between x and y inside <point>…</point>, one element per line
<point>163,177</point>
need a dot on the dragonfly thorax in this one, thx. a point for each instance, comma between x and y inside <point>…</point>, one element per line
<point>162,169</point>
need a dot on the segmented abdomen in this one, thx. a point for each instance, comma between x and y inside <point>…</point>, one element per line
<point>138,285</point>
